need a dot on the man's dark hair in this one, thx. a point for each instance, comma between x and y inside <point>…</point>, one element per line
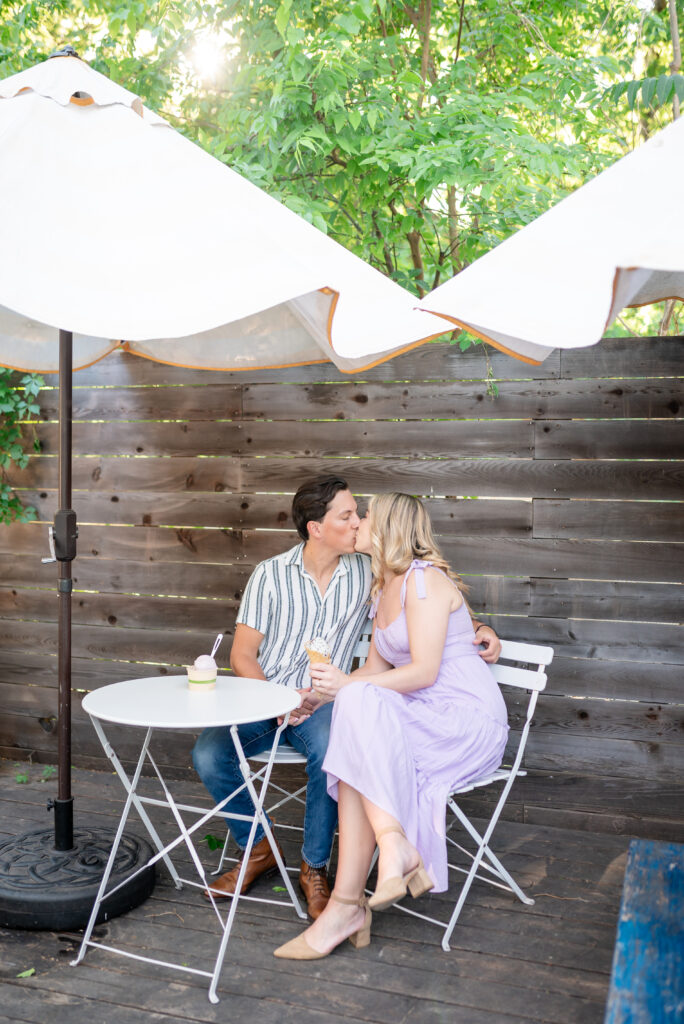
<point>312,500</point>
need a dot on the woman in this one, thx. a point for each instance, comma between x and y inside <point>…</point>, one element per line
<point>422,716</point>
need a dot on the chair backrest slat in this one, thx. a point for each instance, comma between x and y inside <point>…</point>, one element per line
<point>525,678</point>
<point>506,675</point>
<point>362,647</point>
<point>533,654</point>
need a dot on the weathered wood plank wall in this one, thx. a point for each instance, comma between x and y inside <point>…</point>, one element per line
<point>559,501</point>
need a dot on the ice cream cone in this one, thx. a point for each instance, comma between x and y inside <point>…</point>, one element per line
<point>315,657</point>
<point>318,651</point>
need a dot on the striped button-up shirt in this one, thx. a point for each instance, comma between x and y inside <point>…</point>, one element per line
<point>283,602</point>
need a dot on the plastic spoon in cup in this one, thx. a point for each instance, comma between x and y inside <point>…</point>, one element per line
<point>217,644</point>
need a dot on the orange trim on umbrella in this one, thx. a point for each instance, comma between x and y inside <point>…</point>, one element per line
<point>663,298</point>
<point>77,100</point>
<point>23,369</point>
<point>218,369</point>
<point>331,312</point>
<point>485,337</point>
<point>383,358</point>
<point>633,305</point>
<point>609,318</point>
<point>395,352</point>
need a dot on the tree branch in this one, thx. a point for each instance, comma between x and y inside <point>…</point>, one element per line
<point>460,29</point>
<point>452,221</point>
<point>676,53</point>
<point>335,158</point>
<point>667,317</point>
<point>345,213</point>
<point>422,22</point>
<point>389,265</point>
<point>414,244</point>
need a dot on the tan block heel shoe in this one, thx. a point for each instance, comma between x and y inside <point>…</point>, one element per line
<point>299,949</point>
<point>417,881</point>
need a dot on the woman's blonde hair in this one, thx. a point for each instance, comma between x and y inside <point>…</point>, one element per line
<point>401,530</point>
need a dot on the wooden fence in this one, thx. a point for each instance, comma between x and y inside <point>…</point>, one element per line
<point>559,501</point>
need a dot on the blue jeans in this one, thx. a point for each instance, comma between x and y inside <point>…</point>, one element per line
<point>217,764</point>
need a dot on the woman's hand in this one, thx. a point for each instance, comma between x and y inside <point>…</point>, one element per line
<point>328,680</point>
<point>491,645</point>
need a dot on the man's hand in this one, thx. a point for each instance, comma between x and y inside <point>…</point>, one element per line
<point>491,645</point>
<point>309,701</point>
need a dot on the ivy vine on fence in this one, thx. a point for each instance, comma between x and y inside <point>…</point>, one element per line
<point>17,405</point>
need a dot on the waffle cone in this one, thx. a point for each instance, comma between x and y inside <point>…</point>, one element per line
<point>316,658</point>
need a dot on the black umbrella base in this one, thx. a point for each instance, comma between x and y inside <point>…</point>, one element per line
<point>53,890</point>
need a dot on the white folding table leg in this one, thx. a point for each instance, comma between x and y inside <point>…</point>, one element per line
<point>112,855</point>
<point>186,836</point>
<point>131,790</point>
<point>256,775</point>
<point>287,797</point>
<point>259,818</point>
<point>184,831</point>
<point>259,802</point>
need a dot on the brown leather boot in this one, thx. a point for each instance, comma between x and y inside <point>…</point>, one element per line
<point>261,862</point>
<point>314,884</point>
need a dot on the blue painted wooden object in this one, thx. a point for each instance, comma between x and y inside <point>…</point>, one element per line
<point>647,981</point>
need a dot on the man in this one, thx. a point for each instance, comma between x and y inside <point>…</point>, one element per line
<point>318,588</point>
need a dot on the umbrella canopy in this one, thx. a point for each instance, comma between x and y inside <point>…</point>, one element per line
<point>561,280</point>
<point>119,229</point>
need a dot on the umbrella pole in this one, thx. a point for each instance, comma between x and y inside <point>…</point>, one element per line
<point>65,534</point>
<point>53,885</point>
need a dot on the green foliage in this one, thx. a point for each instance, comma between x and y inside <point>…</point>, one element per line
<point>213,842</point>
<point>655,92</point>
<point>492,386</point>
<point>17,403</point>
<point>418,135</point>
<point>418,146</point>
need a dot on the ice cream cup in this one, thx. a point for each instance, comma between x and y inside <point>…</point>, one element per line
<point>201,680</point>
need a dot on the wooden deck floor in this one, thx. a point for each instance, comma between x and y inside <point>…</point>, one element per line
<point>508,963</point>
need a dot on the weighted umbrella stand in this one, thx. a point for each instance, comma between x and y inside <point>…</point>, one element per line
<point>49,878</point>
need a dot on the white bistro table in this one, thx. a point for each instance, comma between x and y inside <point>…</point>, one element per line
<point>167,703</point>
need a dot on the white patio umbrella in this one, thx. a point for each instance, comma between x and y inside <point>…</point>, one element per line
<point>560,281</point>
<point>120,230</point>
<point>117,230</point>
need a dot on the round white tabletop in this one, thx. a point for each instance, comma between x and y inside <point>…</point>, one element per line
<point>165,702</point>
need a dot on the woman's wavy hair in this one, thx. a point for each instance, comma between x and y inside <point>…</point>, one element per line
<point>401,530</point>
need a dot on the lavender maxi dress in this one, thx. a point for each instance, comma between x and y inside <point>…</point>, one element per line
<point>406,751</point>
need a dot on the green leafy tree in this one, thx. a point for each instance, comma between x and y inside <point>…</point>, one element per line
<point>655,81</point>
<point>418,134</point>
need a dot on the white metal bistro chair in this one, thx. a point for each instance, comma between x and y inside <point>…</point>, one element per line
<point>529,674</point>
<point>287,755</point>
